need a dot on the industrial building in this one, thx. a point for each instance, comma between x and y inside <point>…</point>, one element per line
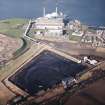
<point>52,24</point>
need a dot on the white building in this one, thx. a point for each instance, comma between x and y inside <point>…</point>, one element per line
<point>52,23</point>
<point>76,27</point>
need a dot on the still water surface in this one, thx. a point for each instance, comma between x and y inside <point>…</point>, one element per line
<point>44,71</point>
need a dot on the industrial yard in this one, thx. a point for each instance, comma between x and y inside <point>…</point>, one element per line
<point>53,60</point>
<point>55,91</point>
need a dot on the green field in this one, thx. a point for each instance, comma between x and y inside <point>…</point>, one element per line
<point>74,38</point>
<point>13,27</point>
<point>22,49</point>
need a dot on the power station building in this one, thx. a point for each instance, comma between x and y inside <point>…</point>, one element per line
<point>52,23</point>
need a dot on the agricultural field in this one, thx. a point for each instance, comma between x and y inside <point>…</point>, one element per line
<point>12,27</point>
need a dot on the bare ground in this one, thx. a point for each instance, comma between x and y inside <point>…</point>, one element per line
<point>7,46</point>
<point>92,95</point>
<point>5,94</point>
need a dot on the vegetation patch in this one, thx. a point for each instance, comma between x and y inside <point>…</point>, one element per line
<point>23,49</point>
<point>13,27</point>
<point>74,38</point>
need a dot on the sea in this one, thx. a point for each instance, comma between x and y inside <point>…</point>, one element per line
<point>90,12</point>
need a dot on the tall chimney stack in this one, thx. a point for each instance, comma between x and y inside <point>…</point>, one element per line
<point>44,12</point>
<point>56,9</point>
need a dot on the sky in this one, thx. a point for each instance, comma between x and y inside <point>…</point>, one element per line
<point>88,11</point>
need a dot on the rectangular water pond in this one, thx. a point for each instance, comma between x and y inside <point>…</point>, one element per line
<point>44,71</point>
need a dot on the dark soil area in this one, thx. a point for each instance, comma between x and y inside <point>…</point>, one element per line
<point>93,94</point>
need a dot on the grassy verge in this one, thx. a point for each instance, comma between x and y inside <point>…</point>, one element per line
<point>22,50</point>
<point>74,38</point>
